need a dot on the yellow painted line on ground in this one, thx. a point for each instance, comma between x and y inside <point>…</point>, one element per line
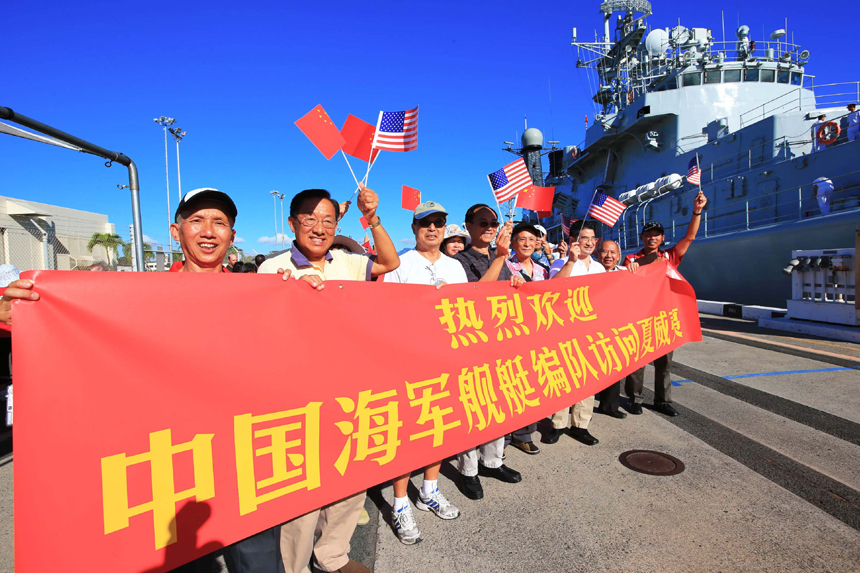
<point>824,343</point>
<point>784,345</point>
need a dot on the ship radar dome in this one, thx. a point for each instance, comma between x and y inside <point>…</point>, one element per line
<point>532,138</point>
<point>657,42</point>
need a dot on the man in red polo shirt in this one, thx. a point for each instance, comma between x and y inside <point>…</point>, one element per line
<point>652,237</point>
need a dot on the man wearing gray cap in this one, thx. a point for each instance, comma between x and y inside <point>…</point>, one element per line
<point>424,265</point>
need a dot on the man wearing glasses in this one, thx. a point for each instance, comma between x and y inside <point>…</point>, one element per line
<point>424,265</point>
<point>325,533</point>
<point>577,263</point>
<point>482,264</point>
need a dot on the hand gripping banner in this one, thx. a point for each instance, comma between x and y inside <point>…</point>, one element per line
<point>162,416</point>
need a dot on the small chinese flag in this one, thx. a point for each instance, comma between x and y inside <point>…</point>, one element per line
<point>411,198</point>
<point>364,223</point>
<point>320,129</point>
<point>358,135</point>
<point>536,198</point>
<point>366,244</point>
<point>544,214</point>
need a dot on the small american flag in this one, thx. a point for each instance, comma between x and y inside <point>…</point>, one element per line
<point>605,209</point>
<point>396,130</point>
<point>510,180</point>
<point>566,222</point>
<point>694,174</point>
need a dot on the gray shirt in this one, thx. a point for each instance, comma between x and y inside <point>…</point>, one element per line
<point>476,264</point>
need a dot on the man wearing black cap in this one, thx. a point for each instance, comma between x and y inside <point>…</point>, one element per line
<point>652,237</point>
<point>203,227</point>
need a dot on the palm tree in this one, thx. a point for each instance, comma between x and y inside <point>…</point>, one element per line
<point>109,241</point>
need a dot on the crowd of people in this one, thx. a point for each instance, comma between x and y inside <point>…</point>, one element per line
<point>485,249</point>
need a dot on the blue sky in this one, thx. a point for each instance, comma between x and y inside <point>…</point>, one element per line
<point>237,75</point>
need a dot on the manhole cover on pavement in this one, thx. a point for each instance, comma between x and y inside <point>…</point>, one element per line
<point>651,463</point>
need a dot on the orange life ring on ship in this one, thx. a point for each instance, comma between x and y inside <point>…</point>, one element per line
<point>630,96</point>
<point>821,134</point>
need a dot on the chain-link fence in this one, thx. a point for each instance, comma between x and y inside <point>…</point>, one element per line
<point>30,248</point>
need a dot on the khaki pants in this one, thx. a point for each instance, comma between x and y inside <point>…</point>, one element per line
<point>323,533</point>
<point>491,457</point>
<point>582,412</point>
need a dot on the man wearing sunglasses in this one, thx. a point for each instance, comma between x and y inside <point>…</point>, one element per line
<point>577,263</point>
<point>324,533</point>
<point>424,265</point>
<point>482,264</point>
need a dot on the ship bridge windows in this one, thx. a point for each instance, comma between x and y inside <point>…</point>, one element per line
<point>731,76</point>
<point>782,76</point>
<point>796,78</point>
<point>712,76</point>
<point>691,79</point>
<point>751,75</point>
<point>768,75</point>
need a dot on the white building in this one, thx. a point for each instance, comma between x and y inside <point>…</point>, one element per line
<point>37,236</point>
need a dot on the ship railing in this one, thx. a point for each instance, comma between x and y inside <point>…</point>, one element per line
<point>761,153</point>
<point>796,203</point>
<point>823,96</point>
<point>729,51</point>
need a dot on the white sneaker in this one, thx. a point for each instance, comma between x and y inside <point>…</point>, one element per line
<point>405,526</point>
<point>438,504</point>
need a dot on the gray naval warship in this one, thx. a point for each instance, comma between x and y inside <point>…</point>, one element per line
<point>748,113</point>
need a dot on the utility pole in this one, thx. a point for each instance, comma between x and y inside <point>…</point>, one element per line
<point>166,122</point>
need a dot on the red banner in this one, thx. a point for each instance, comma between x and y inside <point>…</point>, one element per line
<point>162,416</point>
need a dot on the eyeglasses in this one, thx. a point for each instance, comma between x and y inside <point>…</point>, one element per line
<point>313,222</point>
<point>526,240</point>
<point>433,278</point>
<point>588,239</point>
<point>425,223</point>
<point>485,224</point>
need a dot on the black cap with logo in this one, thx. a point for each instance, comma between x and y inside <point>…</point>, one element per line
<point>210,194</point>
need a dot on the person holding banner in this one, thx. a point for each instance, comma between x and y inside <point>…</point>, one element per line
<point>652,238</point>
<point>609,255</point>
<point>324,533</point>
<point>481,264</point>
<point>424,265</point>
<point>577,263</point>
<point>204,228</point>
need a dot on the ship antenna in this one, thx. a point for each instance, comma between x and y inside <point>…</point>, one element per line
<point>551,124</point>
<point>723,18</point>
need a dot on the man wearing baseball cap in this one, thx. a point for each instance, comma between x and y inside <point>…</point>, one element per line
<point>203,227</point>
<point>652,237</point>
<point>424,265</point>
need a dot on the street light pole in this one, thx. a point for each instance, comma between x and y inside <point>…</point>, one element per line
<point>275,205</point>
<point>166,122</point>
<point>283,231</point>
<point>178,134</point>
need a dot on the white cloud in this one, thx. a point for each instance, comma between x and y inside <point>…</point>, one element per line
<point>408,241</point>
<point>148,239</point>
<point>275,240</point>
<point>238,240</point>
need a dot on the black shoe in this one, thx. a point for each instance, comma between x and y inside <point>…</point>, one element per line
<point>635,409</point>
<point>666,409</point>
<point>471,487</point>
<point>552,436</point>
<point>501,473</point>
<point>614,414</point>
<point>582,435</point>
